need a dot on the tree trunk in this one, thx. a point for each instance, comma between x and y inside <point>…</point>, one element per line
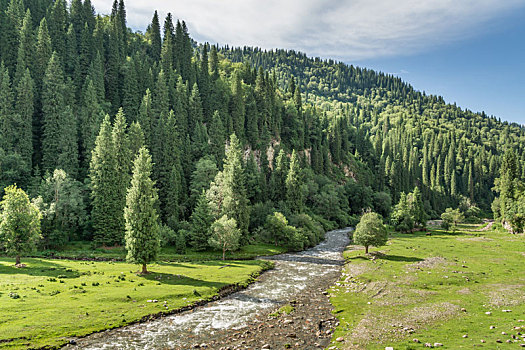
<point>366,249</point>
<point>224,254</point>
<point>17,262</point>
<point>144,270</point>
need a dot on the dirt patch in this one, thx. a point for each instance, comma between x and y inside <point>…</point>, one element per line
<point>506,295</point>
<point>475,239</point>
<point>354,270</point>
<point>375,328</point>
<point>464,291</point>
<point>428,263</point>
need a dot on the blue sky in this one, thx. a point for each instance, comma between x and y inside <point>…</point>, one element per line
<point>471,52</point>
<point>482,73</point>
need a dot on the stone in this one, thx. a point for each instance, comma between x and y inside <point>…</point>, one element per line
<point>499,341</point>
<point>483,341</point>
<point>340,339</point>
<point>203,345</point>
<point>465,336</point>
<point>415,340</point>
<point>389,348</point>
<point>437,345</point>
<point>428,345</point>
<point>492,327</point>
<point>266,346</point>
<point>463,309</point>
<point>488,313</point>
<point>503,333</point>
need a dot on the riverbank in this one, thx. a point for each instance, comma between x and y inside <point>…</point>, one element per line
<point>50,302</point>
<point>242,320</point>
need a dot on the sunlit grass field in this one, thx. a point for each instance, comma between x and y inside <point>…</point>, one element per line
<point>461,290</point>
<point>49,301</point>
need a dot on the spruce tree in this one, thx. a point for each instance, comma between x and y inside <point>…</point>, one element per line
<point>294,196</point>
<point>153,35</point>
<point>24,107</point>
<point>8,118</point>
<point>91,116</point>
<point>142,227</point>
<point>106,205</point>
<point>201,221</point>
<point>59,143</point>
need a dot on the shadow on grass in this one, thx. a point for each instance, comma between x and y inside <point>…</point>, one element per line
<point>179,280</point>
<point>387,257</point>
<point>37,268</point>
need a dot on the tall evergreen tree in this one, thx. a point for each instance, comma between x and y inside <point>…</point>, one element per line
<point>294,195</point>
<point>106,205</point>
<point>24,107</point>
<point>142,227</point>
<point>59,143</point>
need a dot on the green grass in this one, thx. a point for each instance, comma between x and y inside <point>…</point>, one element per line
<point>82,249</point>
<point>51,300</point>
<point>399,296</point>
<point>283,310</point>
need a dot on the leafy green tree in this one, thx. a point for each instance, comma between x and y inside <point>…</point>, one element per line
<point>417,209</point>
<point>142,227</point>
<point>401,215</point>
<point>19,223</point>
<point>370,231</point>
<point>451,218</point>
<point>276,226</point>
<point>201,178</point>
<point>227,193</point>
<point>225,235</point>
<point>61,202</point>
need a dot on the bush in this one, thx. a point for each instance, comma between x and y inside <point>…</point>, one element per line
<point>167,236</point>
<point>312,230</point>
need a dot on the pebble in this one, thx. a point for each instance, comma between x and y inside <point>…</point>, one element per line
<point>463,309</point>
<point>389,348</point>
<point>492,327</point>
<point>266,346</point>
<point>415,340</point>
<point>483,341</point>
<point>465,336</point>
<point>437,345</point>
<point>428,345</point>
<point>488,313</point>
<point>340,339</point>
<point>506,310</point>
<point>504,333</point>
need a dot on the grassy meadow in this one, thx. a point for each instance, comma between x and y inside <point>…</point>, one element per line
<point>49,301</point>
<point>461,290</point>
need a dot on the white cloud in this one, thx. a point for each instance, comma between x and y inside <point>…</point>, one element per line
<point>343,29</point>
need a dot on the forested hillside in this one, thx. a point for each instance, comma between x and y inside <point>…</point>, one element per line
<point>418,140</point>
<point>273,144</point>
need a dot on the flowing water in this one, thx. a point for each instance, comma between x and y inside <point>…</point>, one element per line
<point>293,273</point>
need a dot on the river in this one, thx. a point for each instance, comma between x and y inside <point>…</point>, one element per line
<point>293,273</point>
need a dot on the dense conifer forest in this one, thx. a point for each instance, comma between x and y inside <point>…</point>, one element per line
<point>245,144</point>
